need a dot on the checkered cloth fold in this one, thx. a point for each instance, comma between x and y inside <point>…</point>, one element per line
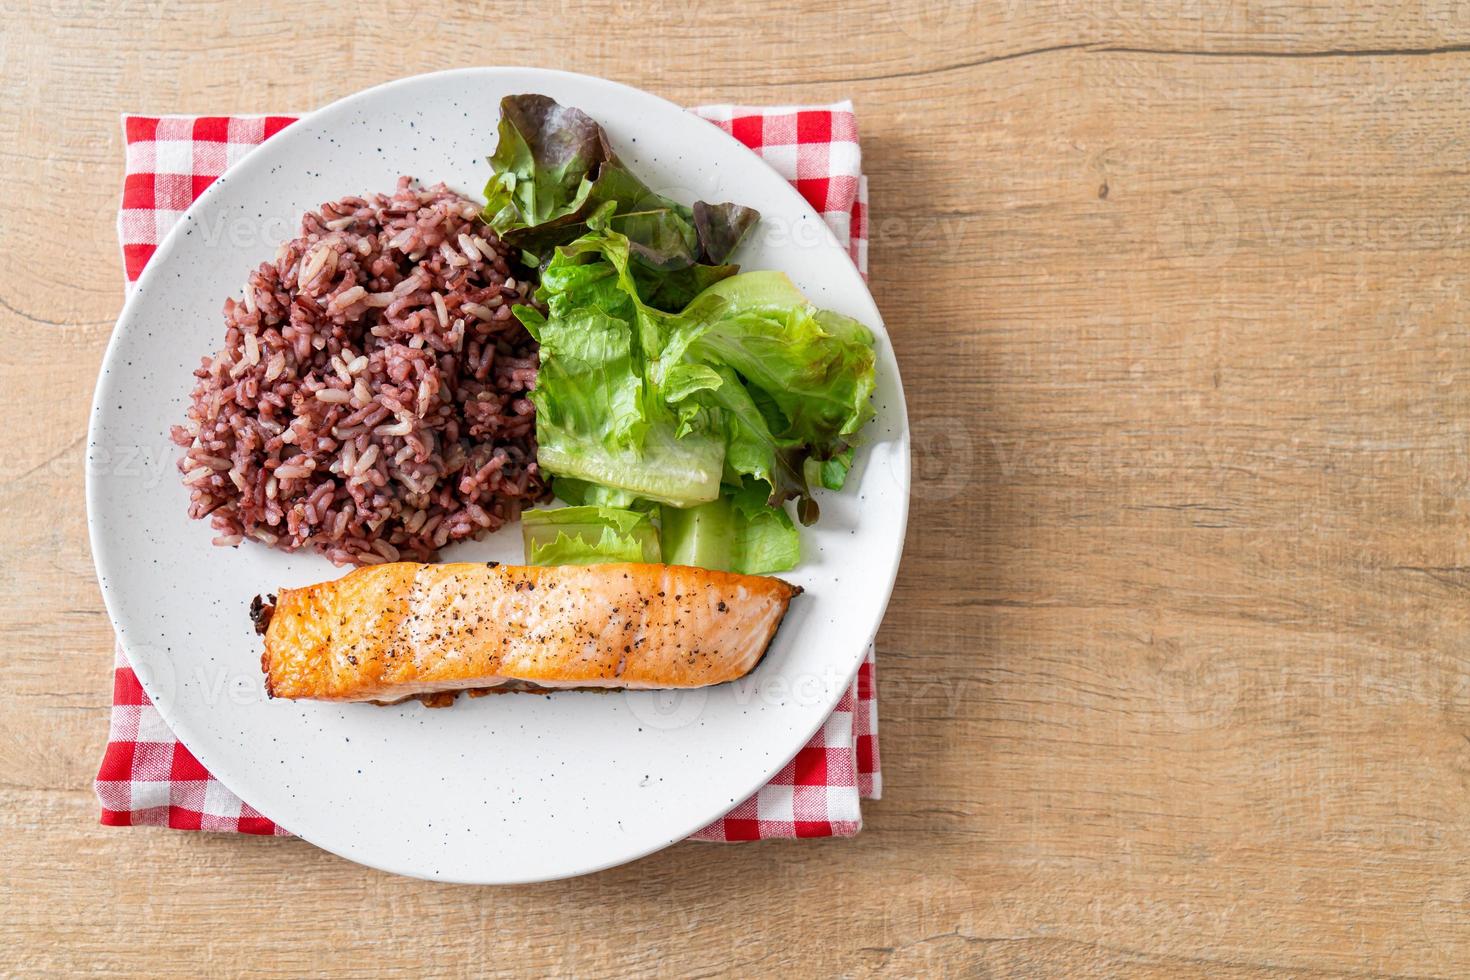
<point>147,776</point>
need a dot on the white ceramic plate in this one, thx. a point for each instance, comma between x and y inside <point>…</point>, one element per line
<point>503,789</point>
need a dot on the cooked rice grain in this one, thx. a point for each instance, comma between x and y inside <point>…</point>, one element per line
<point>369,403</point>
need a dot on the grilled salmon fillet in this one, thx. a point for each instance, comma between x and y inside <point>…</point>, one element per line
<point>401,630</point>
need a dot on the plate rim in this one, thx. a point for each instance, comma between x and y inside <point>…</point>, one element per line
<point>94,482</point>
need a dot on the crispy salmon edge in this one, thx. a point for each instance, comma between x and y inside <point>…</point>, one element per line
<point>261,611</point>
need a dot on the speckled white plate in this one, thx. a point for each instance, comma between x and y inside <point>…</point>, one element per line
<point>502,789</point>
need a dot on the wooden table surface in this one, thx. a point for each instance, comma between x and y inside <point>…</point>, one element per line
<point>1176,677</point>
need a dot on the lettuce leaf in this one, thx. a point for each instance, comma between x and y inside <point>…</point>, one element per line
<point>766,539</point>
<point>581,493</point>
<point>747,384</point>
<point>541,162</point>
<point>670,382</point>
<point>702,536</point>
<point>799,386</point>
<point>816,365</point>
<point>602,414</point>
<point>555,168</point>
<point>737,533</point>
<point>588,536</point>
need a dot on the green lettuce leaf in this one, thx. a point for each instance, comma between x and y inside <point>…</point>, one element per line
<point>588,536</point>
<point>580,493</point>
<point>748,385</point>
<point>815,365</point>
<point>751,449</point>
<point>663,468</point>
<point>702,537</point>
<point>668,379</point>
<point>766,539</point>
<point>799,386</point>
<point>737,533</point>
<point>603,415</point>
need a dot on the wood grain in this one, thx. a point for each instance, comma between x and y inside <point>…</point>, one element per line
<point>1175,677</point>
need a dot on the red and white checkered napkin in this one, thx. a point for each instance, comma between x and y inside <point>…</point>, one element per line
<point>148,777</point>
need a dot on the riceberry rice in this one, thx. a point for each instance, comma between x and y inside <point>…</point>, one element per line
<point>370,401</point>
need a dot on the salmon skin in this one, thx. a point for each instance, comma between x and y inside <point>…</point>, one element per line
<point>395,631</point>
